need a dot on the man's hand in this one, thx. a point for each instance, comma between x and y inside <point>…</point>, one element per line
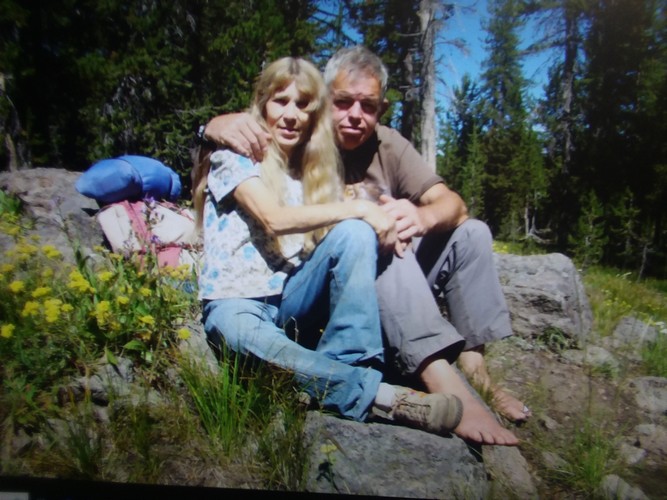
<point>241,133</point>
<point>408,220</point>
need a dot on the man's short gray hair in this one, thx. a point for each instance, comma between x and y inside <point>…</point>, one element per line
<point>356,59</point>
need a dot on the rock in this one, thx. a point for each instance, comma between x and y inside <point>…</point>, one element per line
<point>386,460</point>
<point>629,338</point>
<point>196,347</point>
<point>651,394</point>
<point>593,356</point>
<point>61,214</point>
<point>614,487</point>
<point>545,294</point>
<point>511,472</point>
<point>631,454</point>
<point>548,423</point>
<point>652,438</point>
<point>553,462</point>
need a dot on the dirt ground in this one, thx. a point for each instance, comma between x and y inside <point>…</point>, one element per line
<point>563,396</point>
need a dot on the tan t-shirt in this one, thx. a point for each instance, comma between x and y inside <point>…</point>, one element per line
<point>387,164</point>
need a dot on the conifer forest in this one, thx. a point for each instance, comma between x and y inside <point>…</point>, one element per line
<point>579,168</point>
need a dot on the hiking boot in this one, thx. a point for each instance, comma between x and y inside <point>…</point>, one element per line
<point>436,413</point>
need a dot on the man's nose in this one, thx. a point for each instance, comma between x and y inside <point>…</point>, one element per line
<point>355,110</point>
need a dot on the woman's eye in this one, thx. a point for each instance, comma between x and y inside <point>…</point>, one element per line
<point>302,104</point>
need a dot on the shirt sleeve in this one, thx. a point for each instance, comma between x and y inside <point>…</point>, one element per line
<point>412,177</point>
<point>228,170</point>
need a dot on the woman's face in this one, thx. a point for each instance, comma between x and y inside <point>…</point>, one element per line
<point>286,117</point>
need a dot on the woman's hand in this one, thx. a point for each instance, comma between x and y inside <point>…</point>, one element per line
<point>383,223</point>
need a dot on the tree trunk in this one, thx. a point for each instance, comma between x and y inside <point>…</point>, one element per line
<point>427,116</point>
<point>567,89</point>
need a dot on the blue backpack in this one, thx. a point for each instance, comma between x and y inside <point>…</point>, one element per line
<point>129,177</point>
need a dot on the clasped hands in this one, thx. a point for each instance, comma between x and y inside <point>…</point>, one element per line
<point>408,221</point>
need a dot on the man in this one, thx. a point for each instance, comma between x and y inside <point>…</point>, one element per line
<point>453,256</point>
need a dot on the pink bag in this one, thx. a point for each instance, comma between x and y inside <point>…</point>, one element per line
<point>161,228</point>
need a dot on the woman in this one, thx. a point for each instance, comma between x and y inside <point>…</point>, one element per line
<point>278,243</point>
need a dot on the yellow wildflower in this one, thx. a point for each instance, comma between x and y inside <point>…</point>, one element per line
<point>13,230</point>
<point>102,312</point>
<point>78,282</point>
<point>67,308</point>
<point>328,448</point>
<point>105,276</point>
<point>30,308</point>
<point>146,292</point>
<point>183,333</point>
<point>122,299</point>
<point>47,273</point>
<point>16,286</point>
<point>99,249</point>
<point>51,252</point>
<point>52,310</point>
<point>6,268</point>
<point>147,320</point>
<point>41,291</point>
<point>26,249</point>
<point>7,331</point>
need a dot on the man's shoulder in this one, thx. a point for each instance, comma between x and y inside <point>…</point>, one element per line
<point>389,135</point>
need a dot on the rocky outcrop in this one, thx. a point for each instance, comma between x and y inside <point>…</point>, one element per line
<point>545,296</point>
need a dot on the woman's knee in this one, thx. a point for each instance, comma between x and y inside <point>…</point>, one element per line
<point>229,319</point>
<point>354,233</point>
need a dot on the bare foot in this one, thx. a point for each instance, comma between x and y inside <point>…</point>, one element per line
<point>480,426</point>
<point>509,406</point>
<point>477,423</point>
<point>473,366</point>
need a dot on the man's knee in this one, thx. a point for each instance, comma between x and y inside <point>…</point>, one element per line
<point>476,232</point>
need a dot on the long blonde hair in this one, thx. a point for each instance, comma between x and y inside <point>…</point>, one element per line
<point>315,160</point>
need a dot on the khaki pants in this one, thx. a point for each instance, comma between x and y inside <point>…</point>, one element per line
<point>458,268</point>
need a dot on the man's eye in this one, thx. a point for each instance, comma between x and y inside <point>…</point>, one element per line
<point>343,103</point>
<point>369,107</point>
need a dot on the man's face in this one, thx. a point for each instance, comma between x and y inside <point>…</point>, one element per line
<point>356,107</point>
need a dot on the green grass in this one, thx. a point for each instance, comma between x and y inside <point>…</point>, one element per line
<point>591,456</point>
<point>614,294</point>
<point>250,405</point>
<point>654,354</point>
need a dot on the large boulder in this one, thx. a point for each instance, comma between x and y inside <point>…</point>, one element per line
<point>390,461</point>
<point>62,216</point>
<point>545,296</point>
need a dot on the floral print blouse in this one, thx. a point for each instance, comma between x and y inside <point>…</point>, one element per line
<point>240,259</point>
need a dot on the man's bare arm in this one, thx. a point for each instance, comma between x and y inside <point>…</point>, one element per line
<point>439,209</point>
<point>241,133</point>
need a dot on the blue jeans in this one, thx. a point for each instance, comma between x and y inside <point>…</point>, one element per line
<point>340,273</point>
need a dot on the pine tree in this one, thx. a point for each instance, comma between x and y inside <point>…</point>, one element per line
<point>589,239</point>
<point>504,115</point>
<point>472,177</point>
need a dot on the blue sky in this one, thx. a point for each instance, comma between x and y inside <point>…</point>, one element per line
<point>467,25</point>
